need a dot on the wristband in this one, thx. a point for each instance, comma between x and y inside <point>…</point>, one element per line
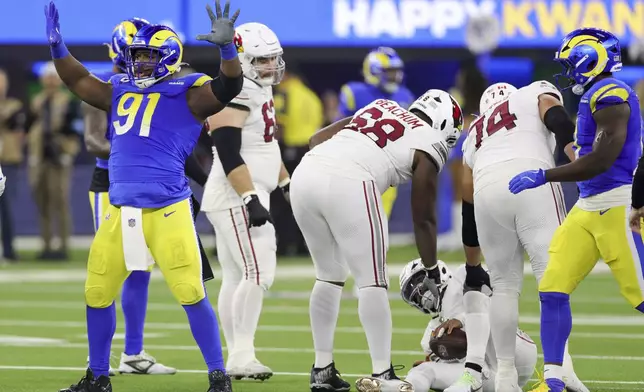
<point>59,50</point>
<point>248,194</point>
<point>228,51</point>
<point>284,182</point>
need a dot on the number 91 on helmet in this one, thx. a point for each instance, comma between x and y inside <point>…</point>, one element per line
<point>413,291</point>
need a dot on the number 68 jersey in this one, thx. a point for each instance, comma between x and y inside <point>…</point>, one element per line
<point>379,144</point>
<point>512,129</point>
<point>259,149</point>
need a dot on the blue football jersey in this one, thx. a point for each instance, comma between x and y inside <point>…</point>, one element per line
<point>356,95</point>
<point>608,92</point>
<point>105,77</point>
<point>153,132</point>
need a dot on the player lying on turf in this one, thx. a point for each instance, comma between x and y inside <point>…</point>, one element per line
<point>247,167</point>
<point>517,129</point>
<point>157,119</point>
<point>608,144</point>
<point>335,194</point>
<point>444,364</point>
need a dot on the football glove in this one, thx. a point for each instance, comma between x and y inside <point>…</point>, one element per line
<point>257,214</point>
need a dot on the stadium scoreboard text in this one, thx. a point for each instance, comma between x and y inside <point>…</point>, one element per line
<point>420,23</point>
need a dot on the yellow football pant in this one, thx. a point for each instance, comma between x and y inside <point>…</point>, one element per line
<point>586,236</point>
<point>171,237</point>
<point>388,199</point>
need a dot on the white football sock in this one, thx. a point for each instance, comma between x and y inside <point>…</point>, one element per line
<point>504,321</point>
<point>375,317</point>
<point>324,307</point>
<point>225,311</point>
<point>477,325</point>
<point>567,362</point>
<point>247,304</point>
<point>552,371</point>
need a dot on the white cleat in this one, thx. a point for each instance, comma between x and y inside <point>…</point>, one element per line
<point>573,383</point>
<point>507,381</point>
<point>253,370</point>
<point>468,382</point>
<point>112,371</point>
<point>143,363</point>
<point>375,384</point>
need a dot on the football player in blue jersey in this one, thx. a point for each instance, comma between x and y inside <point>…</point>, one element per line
<point>383,72</point>
<point>607,148</point>
<point>157,118</point>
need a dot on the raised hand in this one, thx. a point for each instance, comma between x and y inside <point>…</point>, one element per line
<point>527,180</point>
<point>53,25</point>
<point>222,30</point>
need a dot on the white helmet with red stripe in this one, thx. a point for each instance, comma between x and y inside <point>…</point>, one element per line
<point>495,94</point>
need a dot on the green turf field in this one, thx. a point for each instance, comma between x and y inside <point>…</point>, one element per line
<point>43,344</point>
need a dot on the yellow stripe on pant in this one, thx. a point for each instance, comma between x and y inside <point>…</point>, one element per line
<point>586,236</point>
<point>169,233</point>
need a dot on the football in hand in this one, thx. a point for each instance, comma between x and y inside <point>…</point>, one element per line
<point>450,347</point>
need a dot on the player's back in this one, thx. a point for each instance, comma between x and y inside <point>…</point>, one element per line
<point>605,93</point>
<point>379,144</point>
<point>259,149</point>
<point>154,131</point>
<point>105,77</point>
<point>510,131</point>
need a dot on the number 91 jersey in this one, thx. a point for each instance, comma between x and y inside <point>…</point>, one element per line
<point>379,145</point>
<point>511,129</point>
<point>259,149</point>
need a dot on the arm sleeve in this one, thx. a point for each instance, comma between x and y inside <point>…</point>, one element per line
<point>609,95</point>
<point>638,185</point>
<point>347,101</point>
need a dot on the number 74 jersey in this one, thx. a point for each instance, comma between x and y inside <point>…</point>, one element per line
<point>259,149</point>
<point>511,129</point>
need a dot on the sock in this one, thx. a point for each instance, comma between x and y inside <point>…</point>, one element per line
<point>134,301</point>
<point>477,327</point>
<point>556,324</point>
<point>324,307</point>
<point>504,321</point>
<point>101,324</point>
<point>225,310</point>
<point>375,317</point>
<point>247,307</point>
<point>203,324</point>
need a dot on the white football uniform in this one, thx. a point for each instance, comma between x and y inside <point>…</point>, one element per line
<point>246,253</point>
<point>508,139</point>
<point>335,190</point>
<point>438,374</point>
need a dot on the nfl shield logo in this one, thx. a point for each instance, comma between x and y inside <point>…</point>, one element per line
<point>131,222</point>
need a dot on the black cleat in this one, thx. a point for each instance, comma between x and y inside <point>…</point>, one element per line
<point>389,374</point>
<point>327,379</point>
<point>89,384</point>
<point>219,382</point>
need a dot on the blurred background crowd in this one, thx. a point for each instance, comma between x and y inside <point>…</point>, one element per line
<point>45,206</point>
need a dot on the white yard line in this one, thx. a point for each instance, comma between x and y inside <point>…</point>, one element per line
<point>284,272</point>
<point>289,350</point>
<point>296,374</point>
<point>288,328</point>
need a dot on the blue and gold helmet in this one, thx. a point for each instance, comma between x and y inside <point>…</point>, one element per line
<point>585,54</point>
<point>122,36</point>
<point>155,53</point>
<point>383,68</point>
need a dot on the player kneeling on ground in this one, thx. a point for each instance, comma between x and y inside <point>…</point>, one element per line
<point>444,340</point>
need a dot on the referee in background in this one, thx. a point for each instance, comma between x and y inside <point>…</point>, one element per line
<point>299,115</point>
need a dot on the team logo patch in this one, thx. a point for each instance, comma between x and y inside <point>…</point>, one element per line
<point>442,351</point>
<point>457,115</point>
<point>239,44</point>
<point>131,222</point>
<point>107,216</point>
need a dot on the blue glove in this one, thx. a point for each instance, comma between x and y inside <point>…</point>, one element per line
<point>58,48</point>
<point>527,180</point>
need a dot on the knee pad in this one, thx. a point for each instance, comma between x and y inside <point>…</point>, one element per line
<point>188,292</point>
<point>476,302</point>
<point>262,279</point>
<point>98,296</point>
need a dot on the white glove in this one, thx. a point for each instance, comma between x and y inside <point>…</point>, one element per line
<point>3,179</point>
